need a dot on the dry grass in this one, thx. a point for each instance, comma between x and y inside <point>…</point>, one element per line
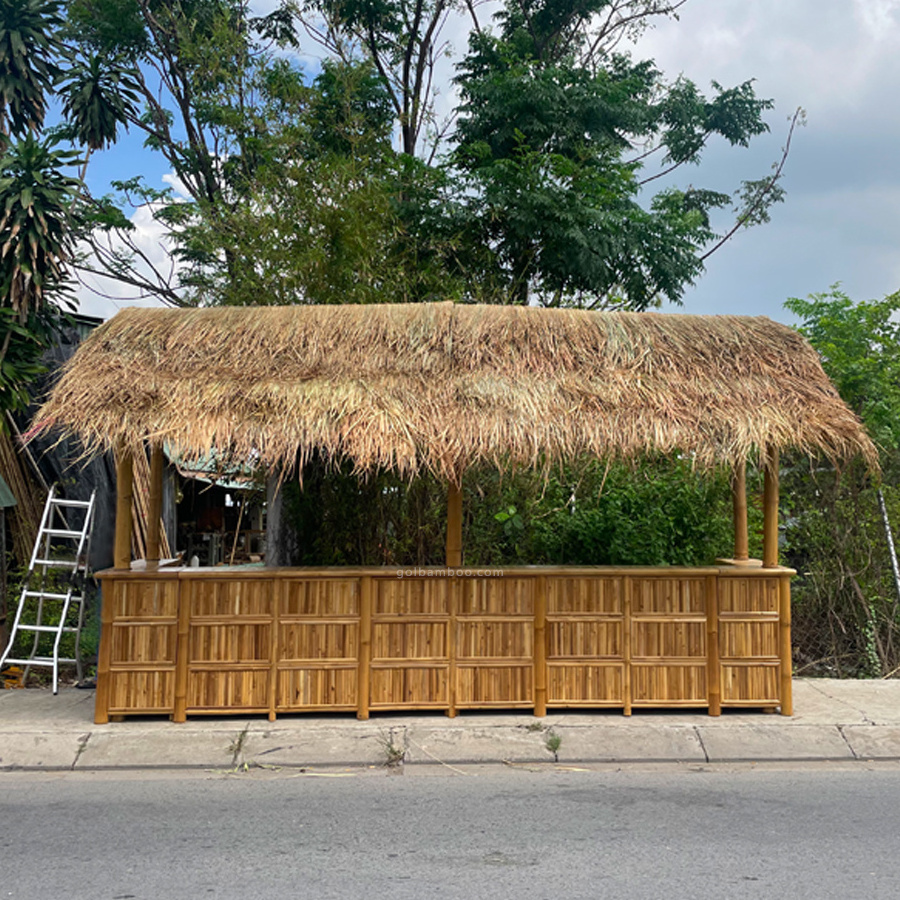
<point>441,386</point>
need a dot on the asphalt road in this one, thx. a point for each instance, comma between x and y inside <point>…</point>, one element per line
<point>814,832</point>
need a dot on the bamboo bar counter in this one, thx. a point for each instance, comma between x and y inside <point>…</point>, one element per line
<point>186,641</point>
<point>444,388</point>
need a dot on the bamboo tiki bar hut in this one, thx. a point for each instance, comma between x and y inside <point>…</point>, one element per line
<point>442,387</point>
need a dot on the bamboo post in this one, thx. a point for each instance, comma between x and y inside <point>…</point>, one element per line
<point>713,670</point>
<point>540,647</point>
<point>626,646</point>
<point>279,586</point>
<point>454,526</point>
<point>784,649</point>
<point>124,503</point>
<point>770,508</point>
<point>182,650</point>
<point>739,504</point>
<point>104,652</point>
<point>453,589</point>
<point>365,648</point>
<point>154,513</point>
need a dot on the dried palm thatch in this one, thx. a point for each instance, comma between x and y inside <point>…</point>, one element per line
<point>443,386</point>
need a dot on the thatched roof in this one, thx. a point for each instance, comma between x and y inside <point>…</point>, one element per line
<point>444,386</point>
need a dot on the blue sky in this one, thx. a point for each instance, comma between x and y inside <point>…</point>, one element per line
<point>840,61</point>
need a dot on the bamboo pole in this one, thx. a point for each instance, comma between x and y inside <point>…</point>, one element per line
<point>713,667</point>
<point>453,589</point>
<point>739,504</point>
<point>182,650</point>
<point>784,640</point>
<point>104,652</point>
<point>454,525</point>
<point>124,504</point>
<point>365,647</point>
<point>770,508</point>
<point>278,588</point>
<point>626,646</point>
<point>154,512</point>
<point>540,647</point>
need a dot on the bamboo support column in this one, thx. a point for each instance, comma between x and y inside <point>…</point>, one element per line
<point>739,504</point>
<point>784,648</point>
<point>627,691</point>
<point>454,526</point>
<point>713,667</point>
<point>770,508</point>
<point>104,654</point>
<point>154,513</point>
<point>540,647</point>
<point>124,504</point>
<point>365,648</point>
<point>182,651</point>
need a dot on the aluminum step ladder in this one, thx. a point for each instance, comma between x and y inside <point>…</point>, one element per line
<point>56,580</point>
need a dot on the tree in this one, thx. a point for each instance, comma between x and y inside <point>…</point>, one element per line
<point>847,609</point>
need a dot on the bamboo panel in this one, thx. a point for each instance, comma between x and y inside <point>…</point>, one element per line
<point>487,685</point>
<point>494,639</point>
<point>144,690</point>
<point>143,644</point>
<point>586,685</point>
<point>228,689</point>
<point>230,643</point>
<point>133,599</point>
<point>326,688</point>
<point>748,595</point>
<point>411,596</point>
<point>409,686</point>
<point>668,595</point>
<point>214,598</point>
<point>576,638</point>
<point>673,639</point>
<point>320,597</point>
<point>319,640</point>
<point>496,596</point>
<point>410,640</point>
<point>584,595</point>
<point>747,639</point>
<point>656,684</point>
<point>751,685</point>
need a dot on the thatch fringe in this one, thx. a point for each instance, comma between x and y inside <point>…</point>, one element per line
<point>444,386</point>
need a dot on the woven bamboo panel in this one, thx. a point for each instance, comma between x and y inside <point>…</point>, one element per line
<point>743,595</point>
<point>228,689</point>
<point>668,595</point>
<point>748,639</point>
<point>144,599</point>
<point>584,595</point>
<point>410,640</point>
<point>658,684</point>
<point>230,598</point>
<point>494,639</point>
<point>496,596</point>
<point>750,685</point>
<point>320,640</point>
<point>412,596</point>
<point>672,639</point>
<point>325,688</point>
<point>486,685</point>
<point>320,597</point>
<point>138,644</point>
<point>585,685</point>
<point>230,643</point>
<point>575,638</point>
<point>414,686</point>
<point>145,690</point>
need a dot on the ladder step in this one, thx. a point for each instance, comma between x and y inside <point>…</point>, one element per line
<point>76,504</point>
<point>37,661</point>
<point>61,563</point>
<point>45,596</point>
<point>61,532</point>
<point>48,629</point>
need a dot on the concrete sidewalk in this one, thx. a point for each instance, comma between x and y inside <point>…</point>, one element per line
<point>834,720</point>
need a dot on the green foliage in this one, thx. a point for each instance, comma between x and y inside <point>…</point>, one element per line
<point>655,513</point>
<point>846,605</point>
